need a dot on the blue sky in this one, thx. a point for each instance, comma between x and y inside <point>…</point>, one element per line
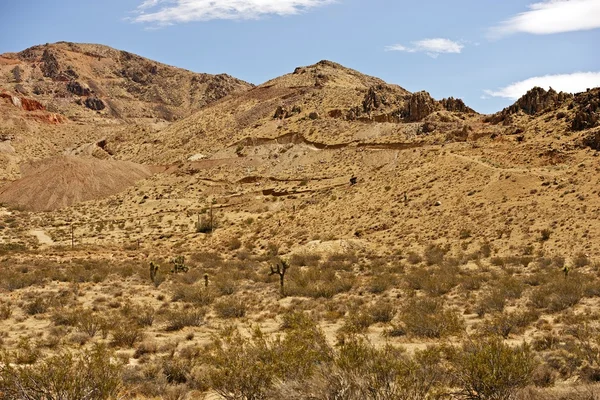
<point>485,51</point>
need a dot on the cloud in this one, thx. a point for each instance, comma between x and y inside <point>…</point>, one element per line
<point>572,83</point>
<point>169,12</point>
<point>433,47</point>
<point>552,16</point>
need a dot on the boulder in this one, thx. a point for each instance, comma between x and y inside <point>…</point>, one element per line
<point>78,89</point>
<point>94,103</point>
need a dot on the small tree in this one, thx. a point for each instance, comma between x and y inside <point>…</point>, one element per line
<point>280,269</point>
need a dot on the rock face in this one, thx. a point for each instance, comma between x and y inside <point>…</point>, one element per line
<point>94,103</point>
<point>419,106</point>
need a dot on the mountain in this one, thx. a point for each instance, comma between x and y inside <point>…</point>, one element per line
<point>82,81</point>
<point>326,104</point>
<point>58,97</point>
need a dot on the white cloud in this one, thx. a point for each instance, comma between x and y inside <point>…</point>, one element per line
<point>552,16</point>
<point>433,47</point>
<point>572,83</point>
<point>168,12</point>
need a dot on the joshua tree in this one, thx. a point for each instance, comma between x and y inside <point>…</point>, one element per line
<point>178,265</point>
<point>153,270</point>
<point>280,269</point>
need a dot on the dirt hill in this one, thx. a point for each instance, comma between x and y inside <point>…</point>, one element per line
<point>60,182</point>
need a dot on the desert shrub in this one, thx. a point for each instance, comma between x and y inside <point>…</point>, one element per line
<point>67,376</point>
<point>5,311</point>
<point>141,315</point>
<point>493,301</point>
<point>90,322</point>
<point>426,317</point>
<point>315,283</point>
<point>305,259</point>
<point>176,370</point>
<point>239,367</point>
<point>145,347</point>
<point>434,254</point>
<point>363,371</point>
<point>415,278</point>
<point>234,243</point>
<point>303,348</point>
<point>126,335</point>
<point>435,281</point>
<point>381,283</point>
<point>179,319</point>
<point>25,352</point>
<point>413,258</point>
<point>357,321</point>
<point>490,369</point>
<point>559,293</point>
<point>441,280</point>
<point>581,260</point>
<point>38,305</point>
<point>195,294</point>
<point>225,283</point>
<point>471,282</point>
<point>382,311</point>
<point>230,308</point>
<point>503,324</point>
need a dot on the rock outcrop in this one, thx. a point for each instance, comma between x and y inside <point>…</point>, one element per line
<point>419,106</point>
<point>456,105</point>
<point>587,114</point>
<point>50,67</point>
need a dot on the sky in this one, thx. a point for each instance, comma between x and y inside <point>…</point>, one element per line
<point>487,52</point>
